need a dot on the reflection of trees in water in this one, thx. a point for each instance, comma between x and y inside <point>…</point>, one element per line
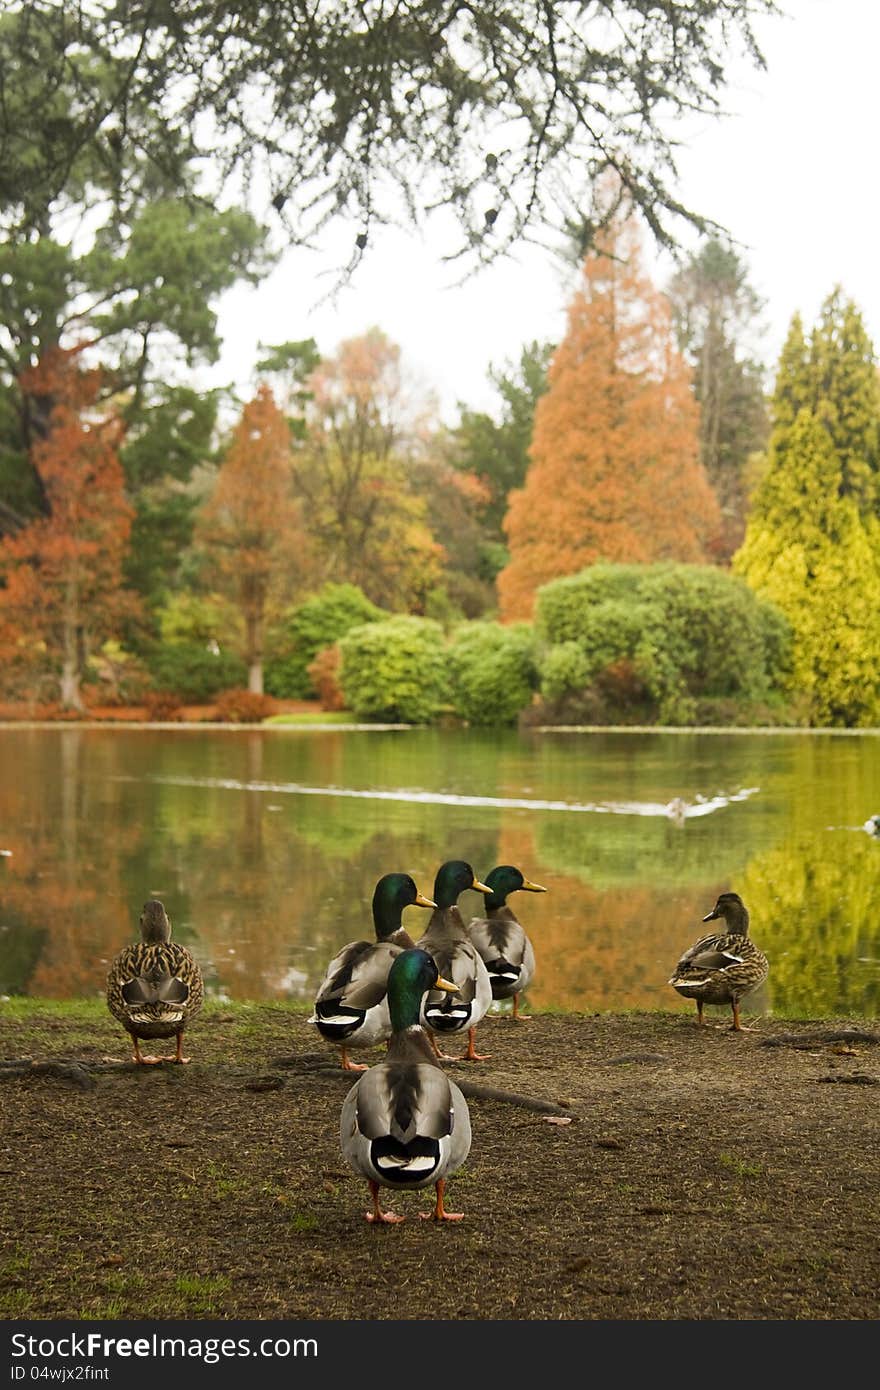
<point>63,882</point>
<point>266,886</point>
<point>597,949</point>
<point>816,913</point>
<point>609,850</point>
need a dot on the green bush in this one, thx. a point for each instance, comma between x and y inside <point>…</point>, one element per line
<point>566,607</point>
<point>194,671</point>
<point>564,668</point>
<point>687,633</point>
<point>306,630</point>
<point>493,671</point>
<point>395,670</point>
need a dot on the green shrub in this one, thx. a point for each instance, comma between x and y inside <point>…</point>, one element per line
<point>564,669</point>
<point>682,634</point>
<point>395,670</point>
<point>194,672</point>
<point>307,629</point>
<point>493,671</point>
<point>566,607</point>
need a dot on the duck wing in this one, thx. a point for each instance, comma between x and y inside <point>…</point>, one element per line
<point>499,938</point>
<point>706,946</point>
<point>159,982</point>
<point>404,1101</point>
<point>357,978</point>
<point>457,962</point>
<point>735,958</point>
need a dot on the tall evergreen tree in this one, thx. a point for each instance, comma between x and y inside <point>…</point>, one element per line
<point>497,450</point>
<point>502,113</point>
<point>714,310</point>
<point>846,398</point>
<point>614,471</point>
<point>106,239</point>
<point>812,543</point>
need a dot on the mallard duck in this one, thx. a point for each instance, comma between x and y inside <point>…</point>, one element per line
<point>457,959</point>
<point>501,940</point>
<point>351,1007</point>
<point>404,1123</point>
<point>154,988</point>
<point>722,968</point>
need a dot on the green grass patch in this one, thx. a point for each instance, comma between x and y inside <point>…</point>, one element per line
<point>20,1006</point>
<point>16,1303</point>
<point>102,1311</point>
<point>303,1221</point>
<point>202,1293</point>
<point>740,1166</point>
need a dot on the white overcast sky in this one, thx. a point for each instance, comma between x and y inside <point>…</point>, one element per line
<point>792,172</point>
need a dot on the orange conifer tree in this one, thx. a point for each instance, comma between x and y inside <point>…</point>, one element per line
<point>62,575</point>
<point>250,525</point>
<point>614,471</point>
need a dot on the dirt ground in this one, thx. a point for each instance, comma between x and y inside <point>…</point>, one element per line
<point>702,1175</point>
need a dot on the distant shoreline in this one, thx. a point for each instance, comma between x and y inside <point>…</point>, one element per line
<point>184,725</point>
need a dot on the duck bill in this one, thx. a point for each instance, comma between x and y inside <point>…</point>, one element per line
<point>711,916</point>
<point>445,984</point>
<point>481,887</point>
<point>424,902</point>
<point>533,887</point>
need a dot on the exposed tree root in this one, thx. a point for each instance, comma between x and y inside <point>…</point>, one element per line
<point>821,1035</point>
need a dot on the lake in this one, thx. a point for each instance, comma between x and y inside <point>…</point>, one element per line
<point>265,846</point>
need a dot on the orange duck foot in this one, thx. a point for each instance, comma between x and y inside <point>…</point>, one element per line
<point>377,1215</point>
<point>472,1055</point>
<point>440,1213</point>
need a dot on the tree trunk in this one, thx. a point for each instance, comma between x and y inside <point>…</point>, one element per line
<point>254,648</point>
<point>71,697</point>
<point>72,653</point>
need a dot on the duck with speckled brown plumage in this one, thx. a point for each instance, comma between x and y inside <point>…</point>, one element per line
<point>724,967</point>
<point>155,987</point>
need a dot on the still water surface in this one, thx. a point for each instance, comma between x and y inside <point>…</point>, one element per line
<point>265,847</point>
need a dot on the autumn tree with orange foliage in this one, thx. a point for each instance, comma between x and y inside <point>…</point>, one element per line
<point>355,475</point>
<point>62,588</point>
<point>614,471</point>
<point>250,525</point>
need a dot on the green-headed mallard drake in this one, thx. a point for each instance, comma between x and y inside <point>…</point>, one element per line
<point>501,940</point>
<point>722,968</point>
<point>351,1007</point>
<point>404,1123</point>
<point>154,988</point>
<point>457,960</point>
